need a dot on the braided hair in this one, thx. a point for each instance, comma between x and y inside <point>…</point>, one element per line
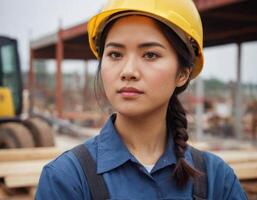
<point>176,116</point>
<point>176,120</point>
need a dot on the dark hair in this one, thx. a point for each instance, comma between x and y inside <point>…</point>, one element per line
<point>98,85</point>
<point>176,117</point>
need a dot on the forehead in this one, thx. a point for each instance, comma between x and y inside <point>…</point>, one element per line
<point>130,27</point>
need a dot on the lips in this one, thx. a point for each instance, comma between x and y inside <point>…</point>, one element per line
<point>130,92</point>
<point>130,89</point>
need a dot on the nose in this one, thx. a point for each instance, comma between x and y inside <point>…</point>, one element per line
<point>129,70</point>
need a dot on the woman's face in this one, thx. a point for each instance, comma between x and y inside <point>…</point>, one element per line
<point>139,67</point>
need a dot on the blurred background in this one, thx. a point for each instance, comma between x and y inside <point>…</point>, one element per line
<point>48,102</point>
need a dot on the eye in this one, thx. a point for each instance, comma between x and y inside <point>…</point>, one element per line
<point>114,55</point>
<point>151,55</point>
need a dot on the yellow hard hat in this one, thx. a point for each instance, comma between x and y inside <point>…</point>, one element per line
<point>181,15</point>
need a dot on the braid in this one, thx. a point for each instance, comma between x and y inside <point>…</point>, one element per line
<point>176,120</point>
<point>176,116</point>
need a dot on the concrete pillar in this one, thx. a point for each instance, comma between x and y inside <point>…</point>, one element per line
<point>199,108</point>
<point>31,82</point>
<point>58,89</point>
<point>238,96</point>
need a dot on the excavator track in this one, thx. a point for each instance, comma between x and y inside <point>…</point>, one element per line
<point>15,135</point>
<point>41,131</point>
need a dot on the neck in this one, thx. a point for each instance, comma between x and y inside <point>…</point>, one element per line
<point>145,137</point>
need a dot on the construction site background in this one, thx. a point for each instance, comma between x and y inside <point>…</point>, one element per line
<point>222,114</point>
<point>216,98</point>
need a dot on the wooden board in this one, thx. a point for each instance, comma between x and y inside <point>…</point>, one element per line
<point>237,156</point>
<point>246,170</point>
<point>39,153</point>
<point>21,167</point>
<point>22,180</point>
<point>2,193</point>
<point>250,186</point>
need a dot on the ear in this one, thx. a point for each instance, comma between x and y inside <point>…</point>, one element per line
<point>183,76</point>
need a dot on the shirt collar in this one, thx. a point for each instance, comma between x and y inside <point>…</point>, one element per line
<point>112,152</point>
<point>168,157</point>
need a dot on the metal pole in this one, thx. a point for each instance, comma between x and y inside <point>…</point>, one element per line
<point>31,82</point>
<point>85,88</point>
<point>58,92</point>
<point>238,96</point>
<point>199,108</point>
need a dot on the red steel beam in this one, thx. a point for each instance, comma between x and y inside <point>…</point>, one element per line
<point>74,31</point>
<point>45,54</point>
<point>233,33</point>
<point>209,4</point>
<point>59,58</point>
<point>31,81</point>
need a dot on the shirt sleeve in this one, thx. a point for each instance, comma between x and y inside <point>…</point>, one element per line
<point>55,186</point>
<point>222,181</point>
<point>62,179</point>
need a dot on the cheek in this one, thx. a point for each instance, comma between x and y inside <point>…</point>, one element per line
<point>108,78</point>
<point>164,77</point>
<point>164,83</point>
<point>105,77</point>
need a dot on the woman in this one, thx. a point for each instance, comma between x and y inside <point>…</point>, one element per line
<point>148,51</point>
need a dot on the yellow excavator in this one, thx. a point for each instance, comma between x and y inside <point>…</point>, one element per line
<point>15,130</point>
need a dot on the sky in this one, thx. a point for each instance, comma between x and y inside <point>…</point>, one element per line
<point>28,20</point>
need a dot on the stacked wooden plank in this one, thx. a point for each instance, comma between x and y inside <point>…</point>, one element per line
<point>243,162</point>
<point>20,169</point>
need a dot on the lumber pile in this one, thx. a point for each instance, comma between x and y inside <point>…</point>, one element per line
<point>20,170</point>
<point>244,163</point>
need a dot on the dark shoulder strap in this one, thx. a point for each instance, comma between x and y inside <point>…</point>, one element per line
<point>200,185</point>
<point>95,181</point>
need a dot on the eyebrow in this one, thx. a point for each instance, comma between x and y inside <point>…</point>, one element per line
<point>141,46</point>
<point>114,44</point>
<point>151,44</point>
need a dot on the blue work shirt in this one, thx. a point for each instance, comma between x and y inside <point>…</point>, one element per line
<point>126,178</point>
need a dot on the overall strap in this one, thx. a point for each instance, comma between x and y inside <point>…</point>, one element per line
<point>200,184</point>
<point>95,182</point>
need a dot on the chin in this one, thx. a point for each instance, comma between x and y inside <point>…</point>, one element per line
<point>142,109</point>
<point>136,113</point>
<point>130,112</point>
